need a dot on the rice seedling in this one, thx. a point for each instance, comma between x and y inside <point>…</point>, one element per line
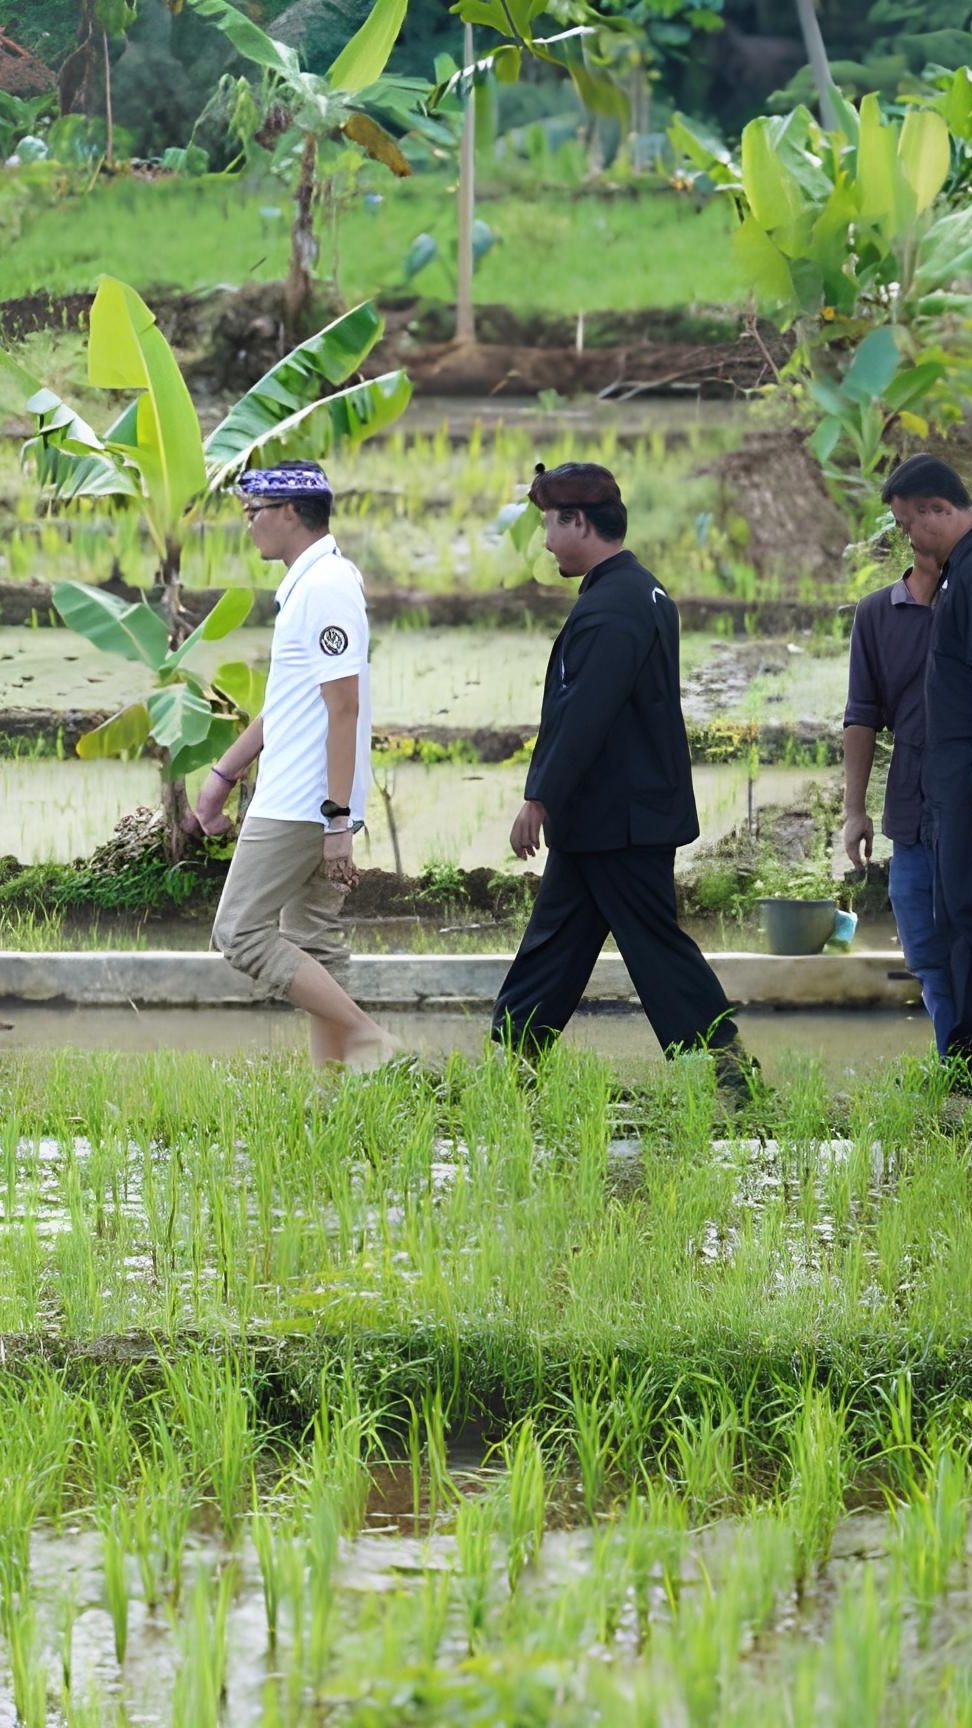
<point>655,1532</point>
<point>200,1688</point>
<point>475,1528</point>
<point>268,1537</point>
<point>863,1653</point>
<point>68,1608</point>
<point>28,1666</point>
<point>930,1531</point>
<point>701,1454</point>
<point>321,1549</point>
<point>817,1479</point>
<point>526,1497</point>
<point>116,1580</point>
<point>212,1403</point>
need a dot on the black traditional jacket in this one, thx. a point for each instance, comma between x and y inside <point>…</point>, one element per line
<point>611,763</point>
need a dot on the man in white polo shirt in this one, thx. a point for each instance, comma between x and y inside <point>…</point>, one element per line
<point>277,919</point>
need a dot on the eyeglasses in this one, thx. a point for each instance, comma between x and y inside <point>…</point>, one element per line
<point>251,510</point>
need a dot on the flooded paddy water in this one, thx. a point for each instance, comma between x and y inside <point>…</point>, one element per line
<point>842,1043</point>
<point>471,677</point>
<point>401,1631</point>
<point>457,812</point>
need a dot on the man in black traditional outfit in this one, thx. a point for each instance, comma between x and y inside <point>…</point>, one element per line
<point>610,787</point>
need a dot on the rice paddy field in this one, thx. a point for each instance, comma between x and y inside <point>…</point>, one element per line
<point>468,1392</point>
<point>418,508</point>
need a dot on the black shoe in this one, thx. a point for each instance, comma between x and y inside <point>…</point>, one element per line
<point>739,1077</point>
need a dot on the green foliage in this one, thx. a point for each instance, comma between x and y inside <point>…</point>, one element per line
<point>843,235</point>
<point>189,724</point>
<point>22,117</point>
<point>582,50</point>
<point>363,59</point>
<point>443,882</point>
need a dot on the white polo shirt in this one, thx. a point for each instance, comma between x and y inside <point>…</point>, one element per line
<point>320,633</point>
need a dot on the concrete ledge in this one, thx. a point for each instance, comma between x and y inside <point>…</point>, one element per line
<point>437,981</point>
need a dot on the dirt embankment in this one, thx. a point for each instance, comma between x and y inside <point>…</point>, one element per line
<point>228,338</point>
<point>32,603</point>
<point>56,731</point>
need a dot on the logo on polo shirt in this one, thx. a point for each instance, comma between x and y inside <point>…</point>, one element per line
<point>333,639</point>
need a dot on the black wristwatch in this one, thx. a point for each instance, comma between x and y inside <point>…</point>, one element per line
<point>329,809</point>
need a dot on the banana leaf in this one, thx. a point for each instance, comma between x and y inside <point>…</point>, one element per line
<point>347,417</point>
<point>130,629</point>
<point>228,613</point>
<point>127,351</point>
<point>178,716</point>
<point>126,731</point>
<point>248,39</point>
<point>219,738</point>
<point>372,138</point>
<point>365,57</point>
<point>71,460</point>
<point>279,402</point>
<point>245,685</point>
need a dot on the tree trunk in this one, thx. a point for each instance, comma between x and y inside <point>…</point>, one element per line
<point>170,580</point>
<point>109,123</point>
<point>819,65</point>
<point>175,802</point>
<point>639,118</point>
<point>175,809</point>
<point>465,316</point>
<point>303,245</point>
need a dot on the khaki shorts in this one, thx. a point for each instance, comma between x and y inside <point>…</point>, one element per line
<point>278,906</point>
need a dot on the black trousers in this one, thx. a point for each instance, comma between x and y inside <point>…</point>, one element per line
<point>951,839</point>
<point>630,893</point>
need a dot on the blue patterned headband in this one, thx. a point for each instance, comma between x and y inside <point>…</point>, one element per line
<point>281,485</point>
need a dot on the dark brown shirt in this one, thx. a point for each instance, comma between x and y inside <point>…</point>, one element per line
<point>886,690</point>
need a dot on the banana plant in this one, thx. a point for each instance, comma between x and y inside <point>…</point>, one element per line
<point>299,110</point>
<point>153,459</point>
<point>845,236</point>
<point>190,719</point>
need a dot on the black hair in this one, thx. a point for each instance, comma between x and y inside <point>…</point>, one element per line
<point>313,512</point>
<point>610,521</point>
<point>924,476</point>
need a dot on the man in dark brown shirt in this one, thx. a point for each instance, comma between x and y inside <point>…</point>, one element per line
<point>889,649</point>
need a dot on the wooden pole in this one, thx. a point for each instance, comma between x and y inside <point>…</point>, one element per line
<point>465,316</point>
<point>819,64</point>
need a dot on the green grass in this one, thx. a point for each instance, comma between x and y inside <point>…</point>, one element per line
<point>247,1313</point>
<point>198,234</point>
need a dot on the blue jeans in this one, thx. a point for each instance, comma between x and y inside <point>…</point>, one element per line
<point>926,952</point>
